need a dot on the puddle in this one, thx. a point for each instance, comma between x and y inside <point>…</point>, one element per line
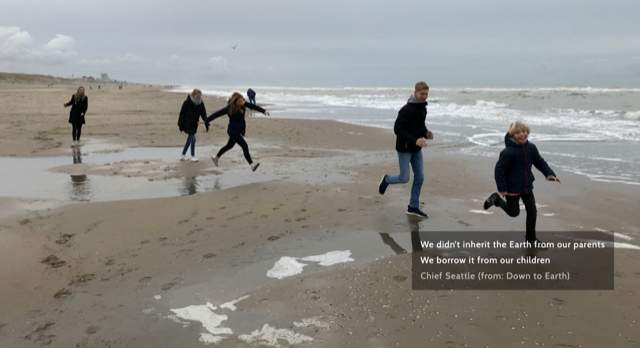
<point>71,178</point>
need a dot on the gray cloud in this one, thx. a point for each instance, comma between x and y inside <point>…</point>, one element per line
<point>357,42</point>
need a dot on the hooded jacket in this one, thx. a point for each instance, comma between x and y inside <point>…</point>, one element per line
<point>237,123</point>
<point>513,169</point>
<point>78,109</point>
<point>409,125</point>
<point>190,113</point>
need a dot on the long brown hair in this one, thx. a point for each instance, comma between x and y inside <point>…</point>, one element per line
<point>233,103</point>
<point>79,96</point>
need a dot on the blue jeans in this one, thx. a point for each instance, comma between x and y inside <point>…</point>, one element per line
<point>191,141</point>
<point>415,158</point>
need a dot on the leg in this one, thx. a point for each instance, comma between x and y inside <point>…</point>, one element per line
<point>245,148</point>
<point>227,147</point>
<point>78,131</point>
<point>186,145</point>
<point>193,145</point>
<point>511,206</point>
<point>418,178</point>
<point>532,213</point>
<point>73,131</point>
<point>403,160</point>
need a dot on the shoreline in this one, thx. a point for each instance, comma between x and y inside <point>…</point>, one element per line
<point>305,247</point>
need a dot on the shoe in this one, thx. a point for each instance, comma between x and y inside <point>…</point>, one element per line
<point>215,160</point>
<point>255,166</point>
<point>194,159</point>
<point>183,158</point>
<point>382,187</point>
<point>417,212</point>
<point>491,201</point>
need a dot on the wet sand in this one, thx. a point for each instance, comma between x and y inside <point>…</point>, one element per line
<point>124,273</point>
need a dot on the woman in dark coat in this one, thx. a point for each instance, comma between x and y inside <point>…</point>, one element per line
<point>192,110</point>
<point>514,178</point>
<point>236,108</point>
<point>79,103</point>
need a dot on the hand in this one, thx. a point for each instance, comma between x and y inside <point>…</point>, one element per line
<point>422,142</point>
<point>429,135</point>
<point>553,178</point>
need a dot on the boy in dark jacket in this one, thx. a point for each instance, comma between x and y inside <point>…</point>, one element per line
<point>411,137</point>
<point>514,178</point>
<point>192,110</point>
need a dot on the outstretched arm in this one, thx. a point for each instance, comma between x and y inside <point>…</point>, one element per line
<point>256,108</point>
<point>70,102</point>
<point>217,114</point>
<point>543,166</point>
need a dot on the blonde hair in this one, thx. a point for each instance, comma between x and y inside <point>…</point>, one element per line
<point>196,92</point>
<point>421,85</point>
<point>517,127</point>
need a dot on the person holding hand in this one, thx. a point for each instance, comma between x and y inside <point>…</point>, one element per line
<point>514,178</point>
<point>411,136</point>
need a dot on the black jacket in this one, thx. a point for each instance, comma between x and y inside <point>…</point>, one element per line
<point>513,169</point>
<point>78,109</point>
<point>410,126</point>
<point>237,123</point>
<point>189,116</point>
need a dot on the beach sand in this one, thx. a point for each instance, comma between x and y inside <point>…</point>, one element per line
<point>123,273</point>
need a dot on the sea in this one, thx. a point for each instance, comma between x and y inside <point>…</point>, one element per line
<point>588,131</point>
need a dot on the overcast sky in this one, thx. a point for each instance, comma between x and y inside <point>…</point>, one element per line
<point>328,42</point>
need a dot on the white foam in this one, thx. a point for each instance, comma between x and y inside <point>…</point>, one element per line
<point>231,305</point>
<point>314,321</point>
<point>210,320</point>
<point>288,266</point>
<point>157,297</point>
<point>619,245</point>
<point>549,214</point>
<point>270,336</point>
<point>285,267</point>
<point>330,258</point>
<point>481,212</point>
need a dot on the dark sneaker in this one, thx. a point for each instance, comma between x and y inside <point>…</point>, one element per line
<point>255,166</point>
<point>491,201</point>
<point>417,212</point>
<point>382,187</point>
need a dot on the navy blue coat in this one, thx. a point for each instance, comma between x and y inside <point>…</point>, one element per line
<point>513,169</point>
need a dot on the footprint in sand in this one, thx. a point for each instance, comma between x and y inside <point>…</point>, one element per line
<point>92,329</point>
<point>62,293</point>
<point>82,279</point>
<point>64,238</point>
<point>208,255</point>
<point>53,261</point>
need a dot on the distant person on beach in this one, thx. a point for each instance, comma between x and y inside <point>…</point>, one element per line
<point>236,108</point>
<point>79,103</point>
<point>192,110</point>
<point>251,94</point>
<point>514,178</point>
<point>411,136</point>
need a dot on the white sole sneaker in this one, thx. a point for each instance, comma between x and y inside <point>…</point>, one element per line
<point>215,160</point>
<point>194,159</point>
